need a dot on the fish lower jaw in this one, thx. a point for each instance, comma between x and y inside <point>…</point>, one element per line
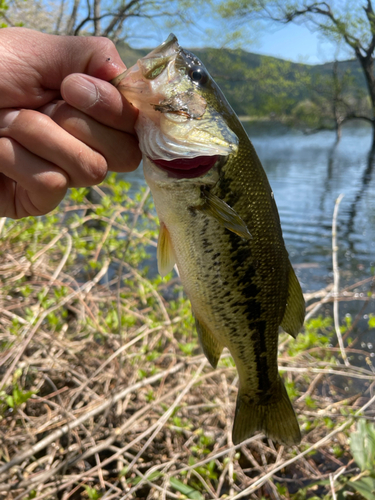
<point>187,168</point>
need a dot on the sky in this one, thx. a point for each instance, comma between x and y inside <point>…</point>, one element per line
<point>298,44</point>
<point>293,42</point>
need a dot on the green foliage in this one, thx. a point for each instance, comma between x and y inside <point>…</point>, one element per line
<point>17,395</point>
<point>3,8</point>
<point>362,445</point>
<point>328,100</point>
<point>202,446</point>
<point>137,479</point>
<point>92,493</point>
<point>365,486</point>
<point>371,321</point>
<point>110,231</point>
<point>186,490</point>
<point>338,21</point>
<point>317,333</point>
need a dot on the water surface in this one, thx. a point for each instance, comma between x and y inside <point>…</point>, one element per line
<point>307,174</point>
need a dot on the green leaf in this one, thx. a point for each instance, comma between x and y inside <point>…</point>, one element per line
<point>186,490</point>
<point>10,401</point>
<point>371,321</point>
<point>362,445</point>
<point>92,493</point>
<point>365,486</point>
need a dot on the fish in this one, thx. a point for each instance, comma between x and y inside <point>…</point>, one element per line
<point>220,226</point>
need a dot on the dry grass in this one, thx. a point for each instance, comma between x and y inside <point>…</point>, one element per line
<point>122,411</point>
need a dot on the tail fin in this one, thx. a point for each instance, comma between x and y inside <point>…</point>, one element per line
<point>276,419</point>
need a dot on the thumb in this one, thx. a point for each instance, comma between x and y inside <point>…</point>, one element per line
<point>42,61</point>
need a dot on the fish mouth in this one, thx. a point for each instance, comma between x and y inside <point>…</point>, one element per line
<point>187,168</point>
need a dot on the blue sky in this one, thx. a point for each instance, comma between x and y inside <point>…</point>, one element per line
<point>298,44</point>
<point>292,42</point>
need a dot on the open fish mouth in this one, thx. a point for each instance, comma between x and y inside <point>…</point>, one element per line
<point>187,168</point>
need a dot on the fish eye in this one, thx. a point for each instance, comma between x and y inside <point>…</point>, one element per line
<point>198,75</point>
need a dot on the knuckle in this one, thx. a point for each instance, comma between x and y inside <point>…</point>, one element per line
<point>106,44</point>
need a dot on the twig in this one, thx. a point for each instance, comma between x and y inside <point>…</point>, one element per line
<point>336,280</point>
<point>161,422</point>
<point>332,484</point>
<point>86,416</point>
<point>123,348</point>
<point>2,222</point>
<point>84,289</point>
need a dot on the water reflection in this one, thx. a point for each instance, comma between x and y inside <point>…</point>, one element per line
<point>366,181</point>
<point>330,170</point>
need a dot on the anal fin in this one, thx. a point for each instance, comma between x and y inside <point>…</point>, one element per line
<point>165,253</point>
<point>211,347</point>
<point>295,309</point>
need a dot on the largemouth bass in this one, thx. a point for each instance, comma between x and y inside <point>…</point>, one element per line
<point>220,225</point>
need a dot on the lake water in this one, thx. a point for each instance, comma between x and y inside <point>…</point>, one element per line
<point>307,173</point>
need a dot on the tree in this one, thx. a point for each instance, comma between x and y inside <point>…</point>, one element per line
<point>334,97</point>
<point>352,25</point>
<point>118,20</point>
<point>3,10</point>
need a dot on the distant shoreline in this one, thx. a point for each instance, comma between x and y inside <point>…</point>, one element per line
<point>246,118</point>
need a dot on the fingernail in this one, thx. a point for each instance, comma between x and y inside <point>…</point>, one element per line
<point>48,109</point>
<point>80,92</point>
<point>8,117</point>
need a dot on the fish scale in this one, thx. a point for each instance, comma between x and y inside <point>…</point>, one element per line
<point>220,226</point>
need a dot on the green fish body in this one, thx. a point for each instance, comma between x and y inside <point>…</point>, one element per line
<point>219,223</point>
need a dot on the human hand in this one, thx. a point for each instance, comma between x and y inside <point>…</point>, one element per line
<point>59,128</point>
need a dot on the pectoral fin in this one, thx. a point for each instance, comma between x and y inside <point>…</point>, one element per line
<point>225,215</point>
<point>211,347</point>
<point>295,309</point>
<point>165,253</point>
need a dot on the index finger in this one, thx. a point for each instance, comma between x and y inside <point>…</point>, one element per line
<point>100,100</point>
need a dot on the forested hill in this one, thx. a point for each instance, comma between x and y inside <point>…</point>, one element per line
<point>262,86</point>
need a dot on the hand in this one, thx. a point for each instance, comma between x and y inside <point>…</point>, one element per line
<point>59,128</point>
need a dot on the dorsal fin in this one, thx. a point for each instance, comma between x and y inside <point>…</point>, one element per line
<point>211,347</point>
<point>295,309</point>
<point>165,253</point>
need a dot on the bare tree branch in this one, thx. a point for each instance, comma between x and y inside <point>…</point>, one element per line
<point>73,18</point>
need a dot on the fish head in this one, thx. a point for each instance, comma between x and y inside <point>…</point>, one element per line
<point>183,116</point>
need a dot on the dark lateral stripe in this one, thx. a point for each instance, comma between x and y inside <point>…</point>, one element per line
<point>260,352</point>
<point>244,274</point>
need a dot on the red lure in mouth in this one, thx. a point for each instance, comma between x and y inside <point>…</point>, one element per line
<point>187,168</point>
